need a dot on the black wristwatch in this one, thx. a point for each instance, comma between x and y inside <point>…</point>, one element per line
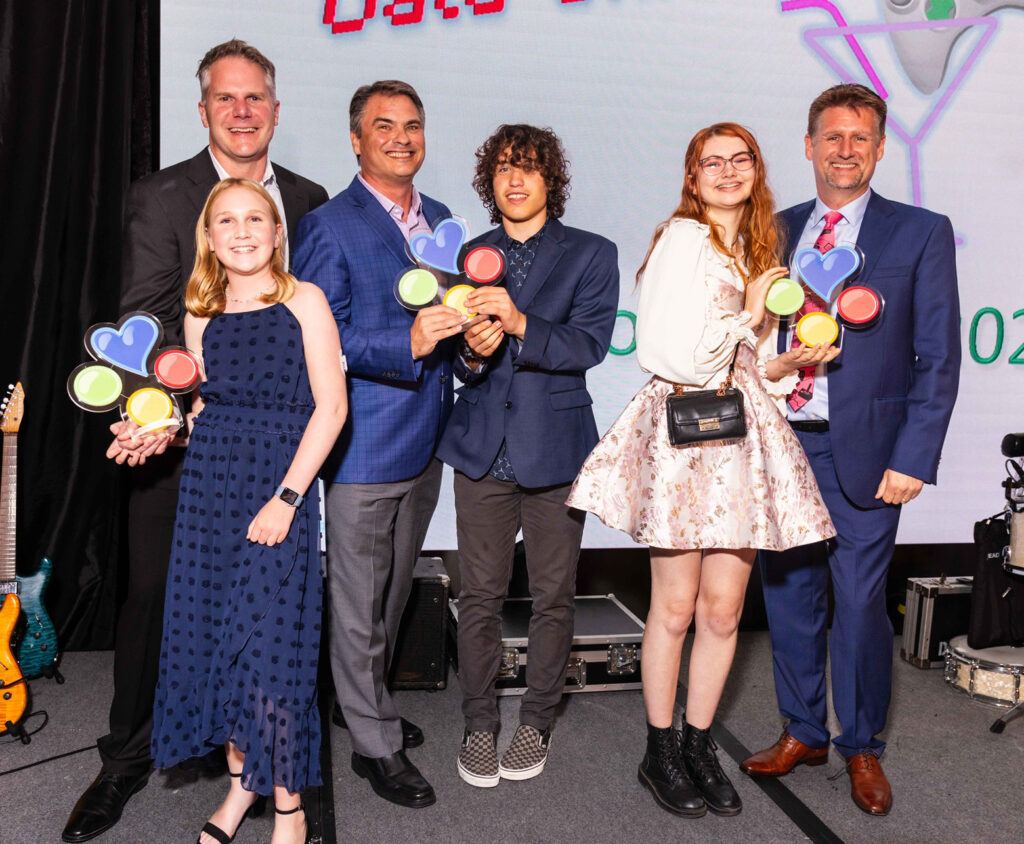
<point>288,496</point>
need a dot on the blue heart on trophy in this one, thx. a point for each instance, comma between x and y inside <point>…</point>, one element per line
<point>126,345</point>
<point>823,273</point>
<point>441,249</point>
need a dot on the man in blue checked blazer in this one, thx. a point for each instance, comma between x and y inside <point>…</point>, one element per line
<point>382,478</point>
<point>872,422</point>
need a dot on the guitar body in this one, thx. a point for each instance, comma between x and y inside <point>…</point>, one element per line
<point>37,647</point>
<point>13,691</point>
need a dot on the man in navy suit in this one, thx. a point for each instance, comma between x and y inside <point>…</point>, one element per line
<point>383,480</point>
<point>519,434</point>
<point>872,422</point>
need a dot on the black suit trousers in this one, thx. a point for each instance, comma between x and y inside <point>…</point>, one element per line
<point>152,506</point>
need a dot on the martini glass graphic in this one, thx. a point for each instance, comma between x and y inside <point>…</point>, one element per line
<point>823,41</point>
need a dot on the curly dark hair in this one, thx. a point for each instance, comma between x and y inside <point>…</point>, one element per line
<point>530,148</point>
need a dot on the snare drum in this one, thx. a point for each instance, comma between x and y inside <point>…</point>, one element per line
<point>1013,562</point>
<point>991,675</point>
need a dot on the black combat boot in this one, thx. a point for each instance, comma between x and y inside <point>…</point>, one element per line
<point>701,764</point>
<point>662,773</point>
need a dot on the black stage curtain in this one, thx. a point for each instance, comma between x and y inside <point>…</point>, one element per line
<point>78,88</point>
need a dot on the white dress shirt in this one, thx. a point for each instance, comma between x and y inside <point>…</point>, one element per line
<point>269,182</point>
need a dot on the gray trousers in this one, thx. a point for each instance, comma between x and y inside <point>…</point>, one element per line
<point>374,534</point>
<point>489,513</point>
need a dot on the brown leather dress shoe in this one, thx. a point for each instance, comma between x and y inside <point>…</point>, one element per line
<point>782,757</point>
<point>869,788</point>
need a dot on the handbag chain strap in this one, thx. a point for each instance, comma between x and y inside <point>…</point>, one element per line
<point>725,385</point>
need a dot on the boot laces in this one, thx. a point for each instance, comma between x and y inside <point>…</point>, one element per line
<point>702,751</point>
<point>669,757</point>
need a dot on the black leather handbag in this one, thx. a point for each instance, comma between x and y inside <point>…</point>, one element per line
<point>704,415</point>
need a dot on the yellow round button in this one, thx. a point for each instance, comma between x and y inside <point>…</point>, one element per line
<point>148,405</point>
<point>817,328</point>
<point>456,298</point>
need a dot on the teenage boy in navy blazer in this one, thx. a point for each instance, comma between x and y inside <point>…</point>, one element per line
<point>518,435</point>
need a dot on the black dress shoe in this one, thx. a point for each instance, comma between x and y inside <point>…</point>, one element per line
<point>412,736</point>
<point>395,778</point>
<point>100,806</point>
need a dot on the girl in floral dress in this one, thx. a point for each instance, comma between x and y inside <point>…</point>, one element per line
<point>704,508</point>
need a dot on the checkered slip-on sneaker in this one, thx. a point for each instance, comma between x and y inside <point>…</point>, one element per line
<point>526,755</point>
<point>478,759</point>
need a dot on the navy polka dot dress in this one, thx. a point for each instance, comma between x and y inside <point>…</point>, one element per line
<point>241,636</point>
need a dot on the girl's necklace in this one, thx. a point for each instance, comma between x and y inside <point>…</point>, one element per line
<point>237,301</point>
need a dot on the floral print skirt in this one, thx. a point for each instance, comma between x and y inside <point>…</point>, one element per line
<point>757,492</point>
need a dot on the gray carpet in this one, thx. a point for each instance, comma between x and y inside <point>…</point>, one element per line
<point>953,780</point>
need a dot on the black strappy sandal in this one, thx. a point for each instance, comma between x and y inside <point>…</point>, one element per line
<point>258,807</point>
<point>301,807</point>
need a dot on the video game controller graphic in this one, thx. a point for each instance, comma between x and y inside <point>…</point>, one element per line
<point>924,50</point>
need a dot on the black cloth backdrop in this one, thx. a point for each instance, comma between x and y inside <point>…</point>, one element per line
<point>78,94</point>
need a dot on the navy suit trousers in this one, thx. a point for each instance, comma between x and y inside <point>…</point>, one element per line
<point>861,642</point>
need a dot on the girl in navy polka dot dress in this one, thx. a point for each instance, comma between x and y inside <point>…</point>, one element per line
<point>238,663</point>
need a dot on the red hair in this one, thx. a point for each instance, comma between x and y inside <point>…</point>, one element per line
<point>758,234</point>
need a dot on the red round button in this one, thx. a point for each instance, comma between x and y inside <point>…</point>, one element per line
<point>858,305</point>
<point>176,369</point>
<point>484,264</point>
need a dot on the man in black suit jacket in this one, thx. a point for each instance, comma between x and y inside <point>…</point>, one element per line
<point>239,108</point>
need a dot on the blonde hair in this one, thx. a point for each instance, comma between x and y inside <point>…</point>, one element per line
<point>205,294</point>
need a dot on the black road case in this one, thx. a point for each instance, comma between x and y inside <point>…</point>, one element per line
<point>420,660</point>
<point>937,609</point>
<point>605,653</point>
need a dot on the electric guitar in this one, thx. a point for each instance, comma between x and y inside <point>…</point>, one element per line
<point>13,691</point>
<point>36,648</point>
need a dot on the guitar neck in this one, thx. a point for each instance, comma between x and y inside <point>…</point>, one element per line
<point>8,511</point>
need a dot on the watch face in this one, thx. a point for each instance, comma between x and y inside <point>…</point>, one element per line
<point>288,496</point>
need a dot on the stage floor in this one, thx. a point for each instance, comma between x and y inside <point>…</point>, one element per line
<point>953,780</point>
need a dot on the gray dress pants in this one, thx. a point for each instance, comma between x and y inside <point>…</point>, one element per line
<point>489,513</point>
<point>374,534</point>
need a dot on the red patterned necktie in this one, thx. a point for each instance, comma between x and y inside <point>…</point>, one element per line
<point>805,386</point>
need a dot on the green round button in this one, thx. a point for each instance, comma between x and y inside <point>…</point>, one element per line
<point>417,287</point>
<point>785,297</point>
<point>97,386</point>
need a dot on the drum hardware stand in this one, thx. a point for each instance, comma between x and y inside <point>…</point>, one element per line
<point>1000,724</point>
